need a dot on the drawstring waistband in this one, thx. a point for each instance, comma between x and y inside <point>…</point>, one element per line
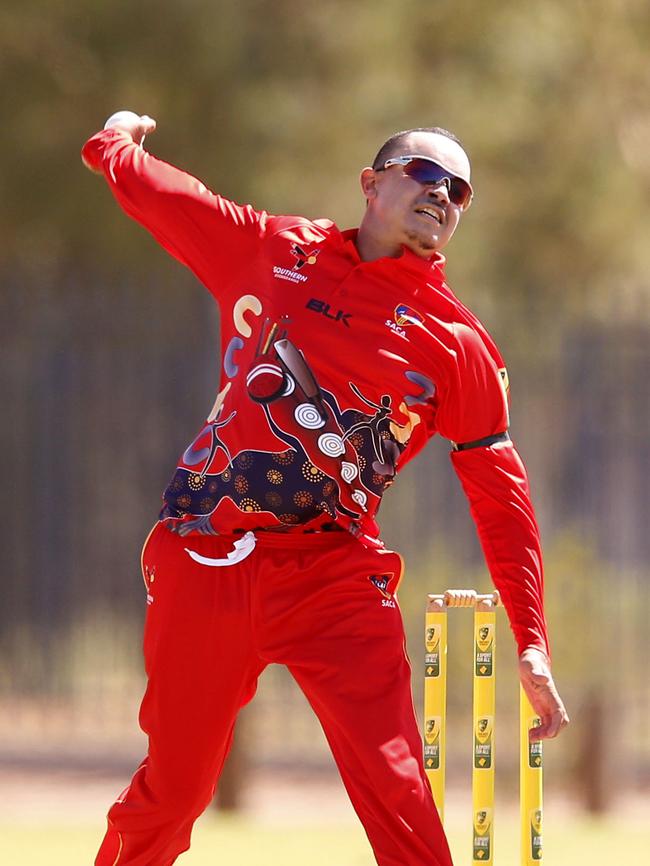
<point>242,548</point>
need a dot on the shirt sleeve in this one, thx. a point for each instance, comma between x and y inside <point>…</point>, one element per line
<point>211,235</point>
<point>473,405</point>
<point>496,485</point>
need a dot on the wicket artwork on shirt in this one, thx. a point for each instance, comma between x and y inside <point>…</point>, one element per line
<point>326,457</point>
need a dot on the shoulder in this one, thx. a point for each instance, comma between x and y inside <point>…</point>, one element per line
<point>473,345</point>
<point>465,338</point>
<point>473,396</point>
<point>472,380</point>
<point>298,228</point>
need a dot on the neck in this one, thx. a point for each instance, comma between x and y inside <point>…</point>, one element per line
<point>372,245</point>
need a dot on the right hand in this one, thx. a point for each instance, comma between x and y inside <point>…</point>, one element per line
<point>136,125</point>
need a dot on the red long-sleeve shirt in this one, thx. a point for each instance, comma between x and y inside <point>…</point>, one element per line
<point>335,373</point>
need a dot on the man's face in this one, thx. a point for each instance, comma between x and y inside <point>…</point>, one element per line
<point>407,213</point>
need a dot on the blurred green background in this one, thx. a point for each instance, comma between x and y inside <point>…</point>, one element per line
<point>110,364</point>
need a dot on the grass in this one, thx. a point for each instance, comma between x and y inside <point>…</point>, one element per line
<point>229,841</point>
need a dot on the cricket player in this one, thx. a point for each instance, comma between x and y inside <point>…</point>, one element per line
<point>343,353</point>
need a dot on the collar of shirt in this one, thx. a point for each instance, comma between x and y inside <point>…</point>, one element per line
<point>408,259</point>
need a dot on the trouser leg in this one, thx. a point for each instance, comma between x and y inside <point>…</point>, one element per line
<point>378,758</point>
<point>350,661</point>
<point>201,670</point>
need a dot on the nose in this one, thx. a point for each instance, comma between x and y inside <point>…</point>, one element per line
<point>439,191</point>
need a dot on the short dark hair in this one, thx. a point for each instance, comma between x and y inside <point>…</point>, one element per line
<point>391,145</point>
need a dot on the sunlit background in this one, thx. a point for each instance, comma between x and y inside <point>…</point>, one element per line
<point>110,364</point>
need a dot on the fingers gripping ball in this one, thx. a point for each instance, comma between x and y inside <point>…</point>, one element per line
<point>136,125</point>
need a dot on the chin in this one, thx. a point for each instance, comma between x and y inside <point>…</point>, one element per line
<point>422,252</point>
<point>424,247</point>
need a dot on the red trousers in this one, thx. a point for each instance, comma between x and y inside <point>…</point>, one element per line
<point>320,604</point>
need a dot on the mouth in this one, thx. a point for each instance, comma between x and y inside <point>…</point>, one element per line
<point>431,212</point>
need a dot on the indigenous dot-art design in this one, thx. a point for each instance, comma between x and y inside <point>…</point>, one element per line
<point>311,472</point>
<point>241,484</point>
<point>245,460</point>
<point>285,458</point>
<point>290,518</point>
<point>303,498</point>
<point>247,504</point>
<point>196,481</point>
<point>334,460</point>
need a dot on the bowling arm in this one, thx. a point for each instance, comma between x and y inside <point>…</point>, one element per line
<point>496,485</point>
<point>211,235</point>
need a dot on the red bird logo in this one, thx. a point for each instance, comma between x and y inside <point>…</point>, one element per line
<point>303,258</point>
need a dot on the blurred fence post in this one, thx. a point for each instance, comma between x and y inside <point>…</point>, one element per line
<point>592,764</point>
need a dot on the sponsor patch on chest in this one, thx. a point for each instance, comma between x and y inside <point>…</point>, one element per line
<point>403,317</point>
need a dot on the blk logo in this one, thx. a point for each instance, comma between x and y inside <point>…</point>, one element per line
<point>324,308</point>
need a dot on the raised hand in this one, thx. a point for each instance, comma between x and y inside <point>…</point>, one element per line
<point>137,125</point>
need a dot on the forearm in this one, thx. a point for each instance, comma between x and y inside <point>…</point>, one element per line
<point>206,232</point>
<point>496,484</point>
<point>150,191</point>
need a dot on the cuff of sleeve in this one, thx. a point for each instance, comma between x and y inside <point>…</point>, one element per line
<point>539,648</point>
<point>93,150</point>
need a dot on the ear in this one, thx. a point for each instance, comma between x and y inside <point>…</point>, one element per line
<point>368,180</point>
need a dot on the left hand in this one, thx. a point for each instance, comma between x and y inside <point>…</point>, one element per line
<point>537,681</point>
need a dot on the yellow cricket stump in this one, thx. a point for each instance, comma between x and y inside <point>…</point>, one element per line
<point>530,785</point>
<point>435,698</point>
<point>483,706</point>
<point>483,718</point>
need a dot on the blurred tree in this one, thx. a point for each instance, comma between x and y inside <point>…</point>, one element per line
<point>280,102</point>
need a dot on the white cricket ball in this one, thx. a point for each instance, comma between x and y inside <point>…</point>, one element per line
<point>121,117</point>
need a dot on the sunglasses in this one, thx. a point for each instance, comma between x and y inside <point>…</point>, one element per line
<point>427,171</point>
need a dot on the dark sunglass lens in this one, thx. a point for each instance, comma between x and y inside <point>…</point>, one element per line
<point>459,192</point>
<point>424,172</point>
